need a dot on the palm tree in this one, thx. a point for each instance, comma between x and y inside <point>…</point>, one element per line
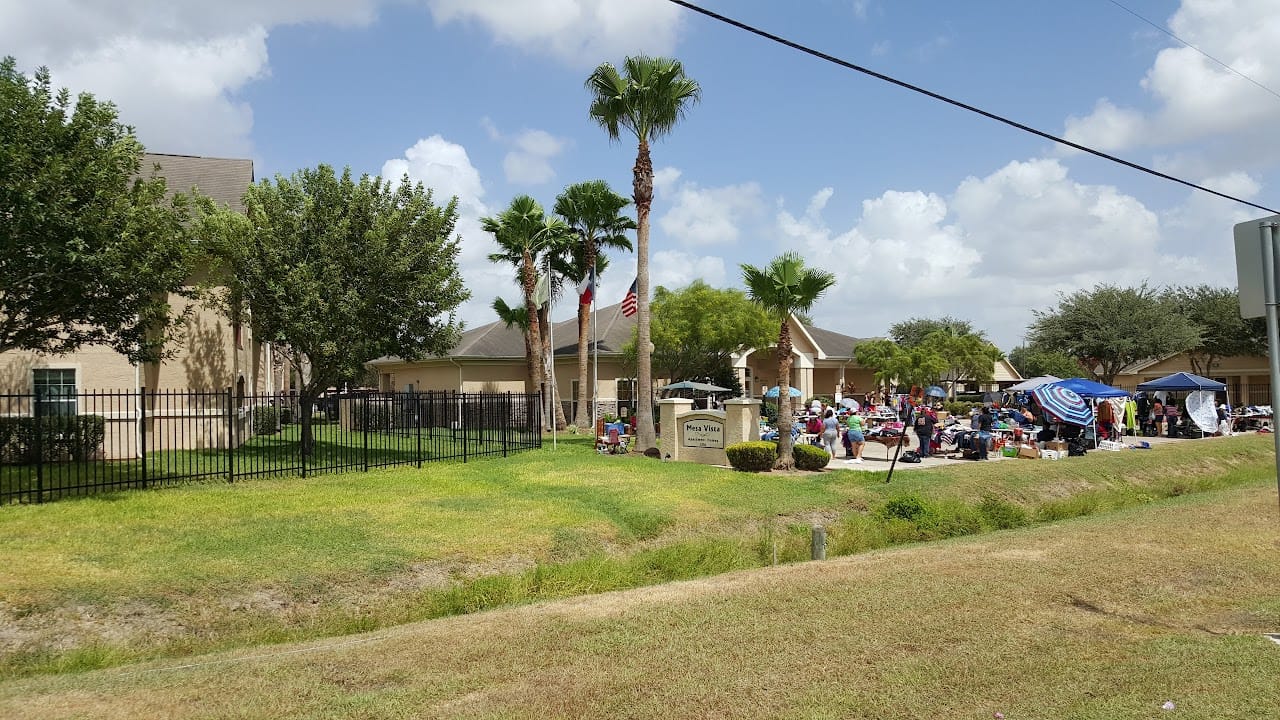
<point>592,209</point>
<point>648,99</point>
<point>554,238</point>
<point>518,231</point>
<point>783,289</point>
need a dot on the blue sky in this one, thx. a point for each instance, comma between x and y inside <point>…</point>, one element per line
<point>921,209</point>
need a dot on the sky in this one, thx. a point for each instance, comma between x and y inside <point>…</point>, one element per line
<point>919,208</point>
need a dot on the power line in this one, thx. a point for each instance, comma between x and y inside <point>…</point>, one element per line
<point>1170,33</point>
<point>964,106</point>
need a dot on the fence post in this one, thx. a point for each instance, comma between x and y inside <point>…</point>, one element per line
<point>297,418</point>
<point>38,431</point>
<point>364,457</point>
<point>506,423</point>
<point>417,420</point>
<point>231,439</point>
<point>462,410</point>
<point>142,431</point>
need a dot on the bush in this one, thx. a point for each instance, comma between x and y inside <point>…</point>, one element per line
<point>52,439</point>
<point>757,456</point>
<point>1001,514</point>
<point>904,507</point>
<point>960,409</point>
<point>809,457</point>
<point>266,420</point>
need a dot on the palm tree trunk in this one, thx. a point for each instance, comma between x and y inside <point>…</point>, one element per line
<point>529,279</point>
<point>785,459</point>
<point>642,190</point>
<point>557,408</point>
<point>582,418</point>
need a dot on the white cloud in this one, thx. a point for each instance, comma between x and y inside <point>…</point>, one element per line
<point>998,247</point>
<point>1195,99</point>
<point>709,216</point>
<point>530,162</point>
<point>664,179</point>
<point>173,69</point>
<point>675,268</point>
<point>445,168</point>
<point>578,32</point>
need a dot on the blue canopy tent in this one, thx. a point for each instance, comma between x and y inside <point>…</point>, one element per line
<point>1183,381</point>
<point>1089,389</point>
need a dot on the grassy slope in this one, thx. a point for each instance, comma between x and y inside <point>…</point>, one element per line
<point>189,569</point>
<point>1098,618</point>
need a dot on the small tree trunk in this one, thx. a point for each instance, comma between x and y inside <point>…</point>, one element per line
<point>582,418</point>
<point>557,407</point>
<point>306,399</point>
<point>529,281</point>
<point>786,461</point>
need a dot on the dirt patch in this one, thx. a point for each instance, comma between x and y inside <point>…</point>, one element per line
<point>71,627</point>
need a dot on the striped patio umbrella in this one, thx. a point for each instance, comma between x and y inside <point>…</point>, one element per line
<point>1063,404</point>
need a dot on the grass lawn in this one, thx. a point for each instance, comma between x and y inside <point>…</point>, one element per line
<point>1100,618</point>
<point>113,579</point>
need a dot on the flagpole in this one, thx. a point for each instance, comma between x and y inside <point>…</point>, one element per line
<point>595,347</point>
<point>551,357</point>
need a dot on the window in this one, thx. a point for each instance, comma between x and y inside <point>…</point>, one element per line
<point>626,392</point>
<point>55,391</point>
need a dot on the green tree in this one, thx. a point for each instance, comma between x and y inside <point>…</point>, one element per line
<point>783,288</point>
<point>594,213</point>
<point>910,333</point>
<point>1223,333</point>
<point>341,272</point>
<point>91,251</point>
<point>647,99</point>
<point>520,233</point>
<point>1108,327</point>
<point>1031,361</point>
<point>692,343</point>
<point>894,364</point>
<point>968,356</point>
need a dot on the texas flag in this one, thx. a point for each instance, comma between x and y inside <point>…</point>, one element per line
<point>587,288</point>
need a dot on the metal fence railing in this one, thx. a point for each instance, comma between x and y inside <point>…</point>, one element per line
<point>94,442</point>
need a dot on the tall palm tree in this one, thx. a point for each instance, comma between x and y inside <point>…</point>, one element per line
<point>648,98</point>
<point>593,210</point>
<point>518,231</point>
<point>785,288</point>
<point>554,239</point>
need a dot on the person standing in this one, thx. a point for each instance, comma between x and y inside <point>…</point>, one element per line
<point>1171,418</point>
<point>856,435</point>
<point>925,422</point>
<point>985,423</point>
<point>1157,416</point>
<point>830,432</point>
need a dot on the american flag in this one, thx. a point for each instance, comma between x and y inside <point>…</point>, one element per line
<point>629,302</point>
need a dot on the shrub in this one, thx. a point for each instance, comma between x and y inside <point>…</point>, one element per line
<point>904,507</point>
<point>51,439</point>
<point>960,409</point>
<point>266,420</point>
<point>1001,514</point>
<point>757,456</point>
<point>809,457</point>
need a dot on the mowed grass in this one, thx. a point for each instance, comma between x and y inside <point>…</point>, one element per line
<point>1099,618</point>
<point>102,581</point>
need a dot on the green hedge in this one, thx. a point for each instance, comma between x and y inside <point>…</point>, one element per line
<point>756,456</point>
<point>57,438</point>
<point>266,420</point>
<point>809,457</point>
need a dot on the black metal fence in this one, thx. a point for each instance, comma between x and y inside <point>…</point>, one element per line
<point>94,442</point>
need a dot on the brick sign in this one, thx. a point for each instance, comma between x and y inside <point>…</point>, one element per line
<point>704,433</point>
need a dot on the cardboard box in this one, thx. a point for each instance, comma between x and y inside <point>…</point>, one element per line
<point>1052,455</point>
<point>1060,445</point>
<point>1030,452</point>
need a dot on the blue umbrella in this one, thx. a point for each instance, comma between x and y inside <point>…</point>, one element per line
<point>935,391</point>
<point>1063,404</point>
<point>773,392</point>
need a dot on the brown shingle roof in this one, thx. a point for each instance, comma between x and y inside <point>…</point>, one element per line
<point>834,344</point>
<point>222,179</point>
<point>495,340</point>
